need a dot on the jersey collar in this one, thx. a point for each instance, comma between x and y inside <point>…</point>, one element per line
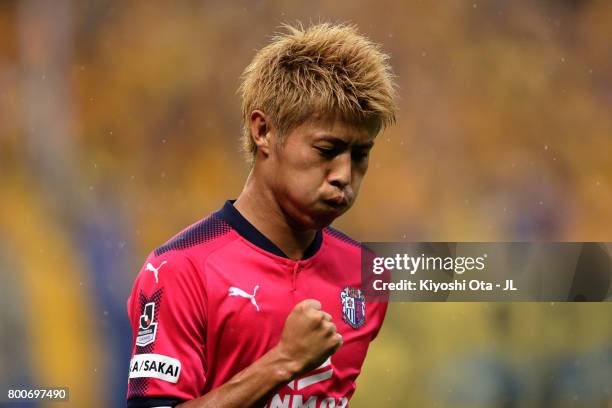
<point>232,216</point>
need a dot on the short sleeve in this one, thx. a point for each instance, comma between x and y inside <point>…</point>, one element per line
<point>167,313</point>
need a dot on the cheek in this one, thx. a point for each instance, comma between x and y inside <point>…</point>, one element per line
<point>357,177</point>
<point>301,179</point>
<point>305,182</point>
<point>301,169</point>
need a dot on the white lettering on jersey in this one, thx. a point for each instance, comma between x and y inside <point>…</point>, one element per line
<point>155,366</point>
<point>314,401</point>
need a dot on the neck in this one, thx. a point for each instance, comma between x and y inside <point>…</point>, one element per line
<point>258,205</point>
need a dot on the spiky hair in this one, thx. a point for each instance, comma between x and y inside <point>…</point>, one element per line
<point>324,69</point>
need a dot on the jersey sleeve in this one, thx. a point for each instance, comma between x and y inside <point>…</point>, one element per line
<point>167,312</point>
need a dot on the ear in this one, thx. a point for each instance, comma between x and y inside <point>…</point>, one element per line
<point>260,131</point>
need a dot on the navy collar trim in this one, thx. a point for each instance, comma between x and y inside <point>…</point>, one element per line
<point>243,227</point>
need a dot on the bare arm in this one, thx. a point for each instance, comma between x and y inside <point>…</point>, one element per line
<point>308,339</point>
<point>250,387</point>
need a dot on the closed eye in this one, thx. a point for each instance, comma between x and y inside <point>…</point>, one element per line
<point>327,152</point>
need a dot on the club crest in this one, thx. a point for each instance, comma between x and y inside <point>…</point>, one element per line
<point>353,307</point>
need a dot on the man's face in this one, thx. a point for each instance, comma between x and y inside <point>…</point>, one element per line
<point>317,169</point>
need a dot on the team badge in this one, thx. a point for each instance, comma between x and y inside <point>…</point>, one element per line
<point>147,328</point>
<point>353,307</point>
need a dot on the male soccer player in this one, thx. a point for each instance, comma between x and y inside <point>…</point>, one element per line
<point>260,303</point>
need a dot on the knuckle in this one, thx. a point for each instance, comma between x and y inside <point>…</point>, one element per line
<point>315,304</point>
<point>330,328</point>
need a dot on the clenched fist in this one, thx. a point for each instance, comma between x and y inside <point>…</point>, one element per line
<point>309,337</point>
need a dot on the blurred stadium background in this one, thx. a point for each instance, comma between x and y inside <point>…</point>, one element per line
<point>119,125</point>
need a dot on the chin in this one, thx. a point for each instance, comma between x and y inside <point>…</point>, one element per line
<point>323,218</point>
<point>320,222</point>
<point>314,220</point>
<point>316,216</point>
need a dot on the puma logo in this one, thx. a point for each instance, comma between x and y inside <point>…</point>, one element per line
<point>233,291</point>
<point>155,270</point>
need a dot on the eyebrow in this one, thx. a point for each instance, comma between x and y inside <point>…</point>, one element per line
<point>366,145</point>
<point>337,140</point>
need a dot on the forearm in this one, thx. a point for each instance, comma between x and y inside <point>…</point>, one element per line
<point>252,386</point>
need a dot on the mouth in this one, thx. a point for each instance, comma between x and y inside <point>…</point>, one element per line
<point>337,202</point>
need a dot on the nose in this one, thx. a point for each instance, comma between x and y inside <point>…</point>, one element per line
<point>340,174</point>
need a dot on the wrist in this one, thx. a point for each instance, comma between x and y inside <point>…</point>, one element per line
<point>285,368</point>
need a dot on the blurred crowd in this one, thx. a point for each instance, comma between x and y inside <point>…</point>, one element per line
<point>119,125</point>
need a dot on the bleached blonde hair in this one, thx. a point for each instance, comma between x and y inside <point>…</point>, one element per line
<point>324,69</point>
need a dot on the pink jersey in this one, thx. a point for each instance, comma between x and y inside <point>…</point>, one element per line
<point>215,298</point>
